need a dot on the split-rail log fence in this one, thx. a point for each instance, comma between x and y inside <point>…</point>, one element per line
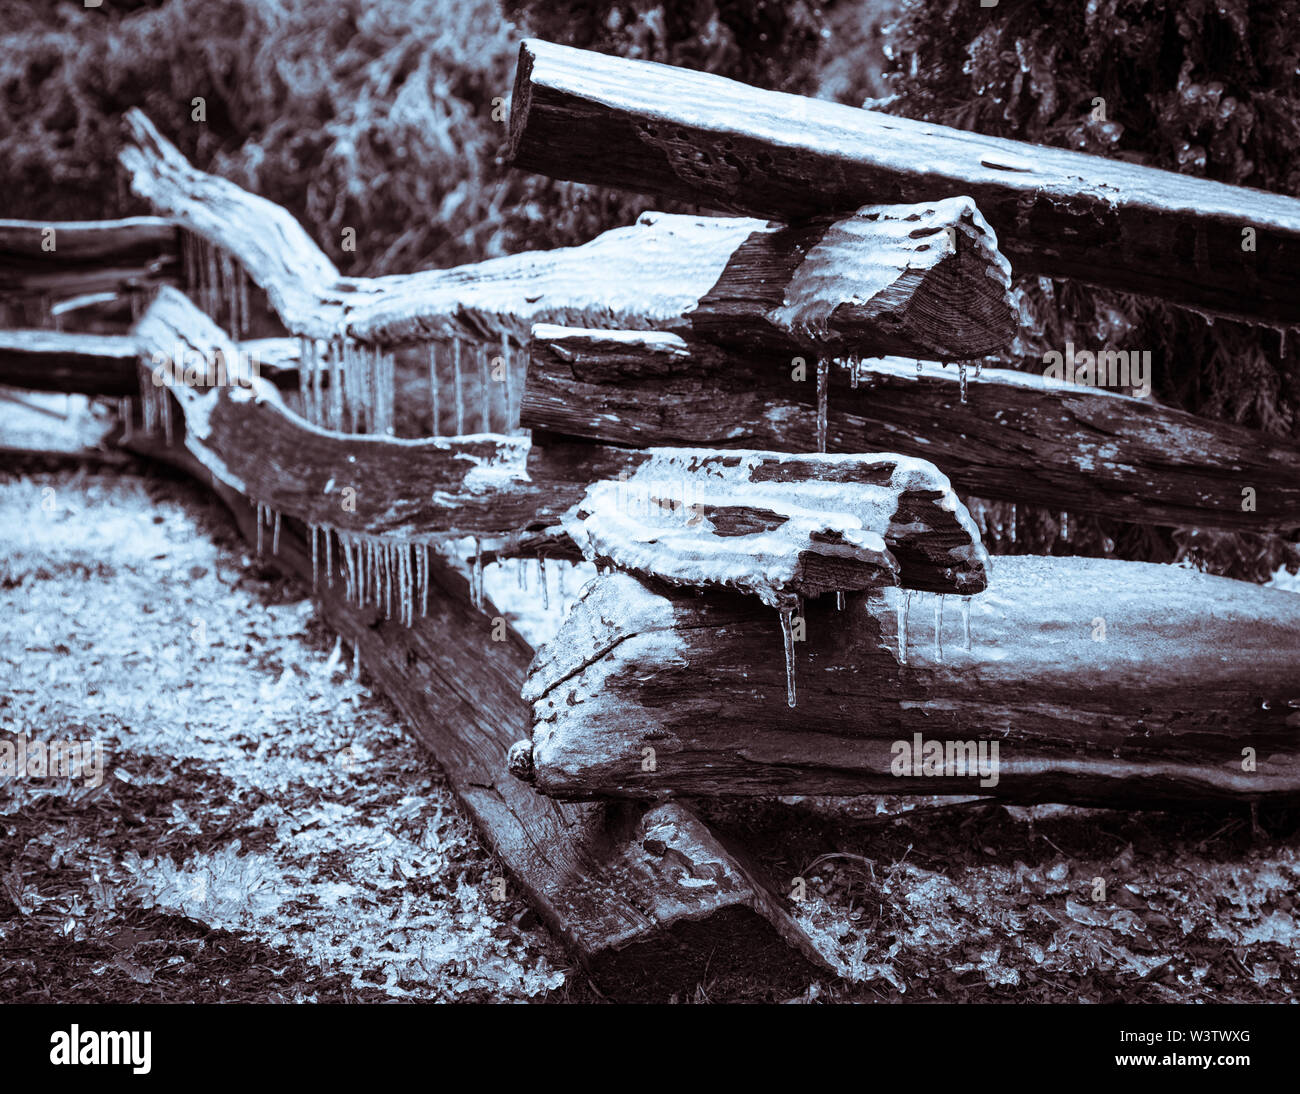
<point>722,419</point>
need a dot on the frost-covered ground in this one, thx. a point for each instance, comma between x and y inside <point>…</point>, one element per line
<point>265,830</point>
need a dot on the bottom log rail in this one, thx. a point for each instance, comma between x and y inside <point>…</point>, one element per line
<point>1089,681</point>
<point>647,900</point>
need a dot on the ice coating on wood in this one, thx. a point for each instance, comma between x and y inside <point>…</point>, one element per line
<point>866,261</point>
<point>772,525</point>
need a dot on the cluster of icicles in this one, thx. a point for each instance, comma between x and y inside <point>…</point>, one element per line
<point>788,616</point>
<point>346,386</point>
<point>854,366</point>
<point>998,521</point>
<point>155,409</point>
<point>391,573</point>
<point>351,387</point>
<point>217,282</point>
<point>465,389</point>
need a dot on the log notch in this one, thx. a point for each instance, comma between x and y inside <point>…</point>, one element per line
<point>1100,681</point>
<point>925,280</point>
<point>93,256</point>
<point>648,900</point>
<point>1016,437</point>
<point>708,140</point>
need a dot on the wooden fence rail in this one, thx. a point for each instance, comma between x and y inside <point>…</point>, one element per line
<point>696,137</point>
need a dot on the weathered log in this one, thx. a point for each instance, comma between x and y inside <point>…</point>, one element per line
<point>778,528</point>
<point>705,139</point>
<point>647,900</point>
<point>72,258</point>
<point>1098,681</point>
<point>925,279</point>
<point>1016,436</point>
<point>499,487</point>
<point>87,364</point>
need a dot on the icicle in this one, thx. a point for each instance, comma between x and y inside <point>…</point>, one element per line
<point>965,620</point>
<point>260,522</point>
<point>519,573</point>
<point>512,421</point>
<point>823,384</point>
<point>125,415</point>
<point>1013,522</point>
<point>853,373</point>
<point>389,365</point>
<point>433,384</point>
<point>317,398</point>
<point>315,556</point>
<point>476,585</point>
<point>485,402</point>
<point>329,560</point>
<point>164,401</point>
<point>460,399</point>
<point>1282,346</point>
<point>304,367</point>
<point>962,373</point>
<point>213,280</point>
<point>275,535</point>
<point>1065,526</point>
<point>386,576</point>
<point>787,632</point>
<point>546,592</point>
<point>244,286</point>
<point>839,601</point>
<point>979,367</point>
<point>938,627</point>
<point>336,390</point>
<point>904,603</point>
<point>408,585</point>
<point>349,568</point>
<point>424,583</point>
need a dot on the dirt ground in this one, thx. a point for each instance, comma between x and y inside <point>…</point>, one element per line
<point>265,831</point>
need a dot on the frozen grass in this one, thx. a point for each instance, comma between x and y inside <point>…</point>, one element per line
<point>254,784</point>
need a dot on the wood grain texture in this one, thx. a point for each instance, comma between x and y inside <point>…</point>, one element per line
<point>924,279</point>
<point>1100,681</point>
<point>1017,437</point>
<point>696,137</point>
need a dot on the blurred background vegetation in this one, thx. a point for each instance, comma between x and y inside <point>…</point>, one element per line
<point>378,115</point>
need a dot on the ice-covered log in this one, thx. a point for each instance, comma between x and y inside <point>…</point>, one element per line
<point>778,528</point>
<point>704,139</point>
<point>925,279</point>
<point>1014,436</point>
<point>1077,680</point>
